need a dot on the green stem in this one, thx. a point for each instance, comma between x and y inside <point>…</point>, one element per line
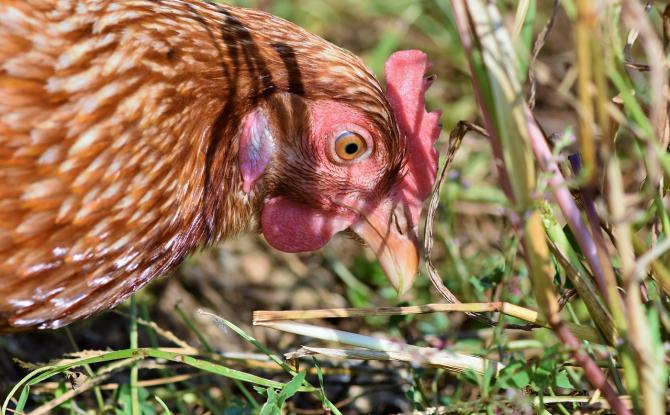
<point>134,369</point>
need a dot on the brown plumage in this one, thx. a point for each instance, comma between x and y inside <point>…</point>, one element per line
<point>121,131</point>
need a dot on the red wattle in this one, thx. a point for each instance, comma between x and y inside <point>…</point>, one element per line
<point>293,227</point>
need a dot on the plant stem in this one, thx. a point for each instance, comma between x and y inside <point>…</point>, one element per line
<point>134,369</point>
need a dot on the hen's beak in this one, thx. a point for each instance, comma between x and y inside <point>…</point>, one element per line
<point>388,231</point>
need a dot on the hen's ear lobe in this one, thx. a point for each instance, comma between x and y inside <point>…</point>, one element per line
<point>257,145</point>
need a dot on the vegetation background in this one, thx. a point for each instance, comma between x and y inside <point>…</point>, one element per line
<point>593,93</point>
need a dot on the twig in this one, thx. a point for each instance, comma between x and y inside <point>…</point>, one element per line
<point>512,310</point>
<point>455,140</point>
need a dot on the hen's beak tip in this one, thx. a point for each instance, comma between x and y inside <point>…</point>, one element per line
<point>399,257</point>
<point>396,247</point>
<point>405,269</point>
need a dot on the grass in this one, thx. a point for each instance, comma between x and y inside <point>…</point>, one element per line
<point>547,283</point>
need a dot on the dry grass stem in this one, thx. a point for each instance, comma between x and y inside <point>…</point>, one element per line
<point>453,362</point>
<point>512,310</point>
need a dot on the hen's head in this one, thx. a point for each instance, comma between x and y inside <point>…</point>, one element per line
<point>352,157</point>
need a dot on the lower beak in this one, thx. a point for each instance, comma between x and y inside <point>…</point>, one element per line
<point>389,232</point>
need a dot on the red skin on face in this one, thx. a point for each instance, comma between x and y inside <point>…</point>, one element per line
<point>294,227</point>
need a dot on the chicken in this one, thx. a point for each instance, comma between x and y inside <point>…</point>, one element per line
<point>135,132</point>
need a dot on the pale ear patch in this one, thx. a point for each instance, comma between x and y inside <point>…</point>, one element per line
<point>293,227</point>
<point>257,145</point>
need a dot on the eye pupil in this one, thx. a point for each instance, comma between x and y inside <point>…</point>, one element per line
<point>351,148</point>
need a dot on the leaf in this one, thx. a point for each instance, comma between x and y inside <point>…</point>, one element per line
<point>319,374</point>
<point>563,381</point>
<point>291,388</point>
<point>276,401</point>
<point>270,407</point>
<point>515,375</point>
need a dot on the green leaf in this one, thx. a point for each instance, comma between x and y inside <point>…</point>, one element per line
<point>515,375</point>
<point>270,407</point>
<point>276,401</point>
<point>563,381</point>
<point>319,374</point>
<point>292,387</point>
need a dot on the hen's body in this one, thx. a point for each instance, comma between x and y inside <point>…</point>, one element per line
<point>119,126</point>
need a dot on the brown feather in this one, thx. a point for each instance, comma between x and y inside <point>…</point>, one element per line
<point>118,139</point>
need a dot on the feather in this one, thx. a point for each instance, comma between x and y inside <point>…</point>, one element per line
<point>120,126</point>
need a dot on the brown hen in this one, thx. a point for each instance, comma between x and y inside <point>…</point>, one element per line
<point>133,132</point>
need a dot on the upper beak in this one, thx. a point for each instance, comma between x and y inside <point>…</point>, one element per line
<point>389,232</point>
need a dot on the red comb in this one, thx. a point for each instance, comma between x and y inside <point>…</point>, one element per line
<point>406,84</point>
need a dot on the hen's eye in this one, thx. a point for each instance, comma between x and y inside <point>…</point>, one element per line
<point>349,146</point>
